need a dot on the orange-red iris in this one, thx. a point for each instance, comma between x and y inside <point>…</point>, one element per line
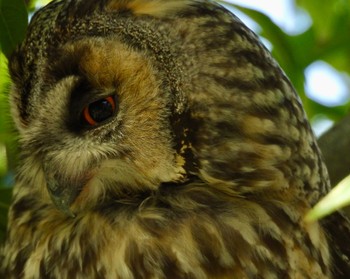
<point>89,118</point>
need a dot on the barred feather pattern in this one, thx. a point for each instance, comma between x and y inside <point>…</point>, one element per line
<point>206,171</point>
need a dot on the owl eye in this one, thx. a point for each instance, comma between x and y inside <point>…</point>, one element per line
<point>99,111</point>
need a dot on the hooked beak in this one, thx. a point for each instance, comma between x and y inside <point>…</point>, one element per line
<point>63,191</point>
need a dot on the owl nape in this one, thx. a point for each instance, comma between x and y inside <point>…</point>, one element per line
<point>160,139</point>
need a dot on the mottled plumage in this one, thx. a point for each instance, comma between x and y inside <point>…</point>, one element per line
<point>204,168</point>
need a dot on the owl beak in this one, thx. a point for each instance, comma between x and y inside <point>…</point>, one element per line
<point>63,193</point>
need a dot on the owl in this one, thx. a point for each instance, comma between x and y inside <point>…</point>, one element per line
<point>159,139</point>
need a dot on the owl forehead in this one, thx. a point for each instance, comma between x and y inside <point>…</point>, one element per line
<point>60,20</point>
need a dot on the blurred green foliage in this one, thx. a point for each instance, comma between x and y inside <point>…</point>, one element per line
<point>13,23</point>
<point>4,137</point>
<point>327,39</point>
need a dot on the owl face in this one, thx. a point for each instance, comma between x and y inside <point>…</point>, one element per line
<point>100,122</point>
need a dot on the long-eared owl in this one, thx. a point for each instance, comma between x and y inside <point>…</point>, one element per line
<point>160,139</point>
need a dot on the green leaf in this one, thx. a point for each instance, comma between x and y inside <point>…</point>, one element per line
<point>13,23</point>
<point>331,25</point>
<point>4,77</point>
<point>325,16</point>
<point>5,199</point>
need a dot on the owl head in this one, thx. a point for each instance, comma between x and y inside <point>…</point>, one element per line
<point>116,99</point>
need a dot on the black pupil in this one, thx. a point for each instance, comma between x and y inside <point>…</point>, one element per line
<point>100,110</point>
